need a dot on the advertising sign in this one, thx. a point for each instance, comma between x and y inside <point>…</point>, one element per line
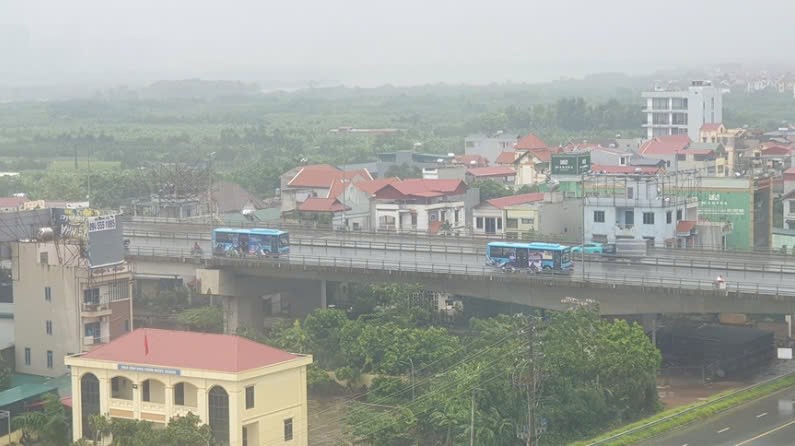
<point>571,163</point>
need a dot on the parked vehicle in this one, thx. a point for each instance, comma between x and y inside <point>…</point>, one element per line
<point>589,248</point>
<point>549,257</point>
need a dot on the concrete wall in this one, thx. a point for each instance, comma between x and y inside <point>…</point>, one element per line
<point>563,218</point>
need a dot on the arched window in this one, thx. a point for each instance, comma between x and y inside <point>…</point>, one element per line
<point>218,405</point>
<point>89,401</point>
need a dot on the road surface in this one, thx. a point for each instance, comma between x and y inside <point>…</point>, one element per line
<point>766,422</point>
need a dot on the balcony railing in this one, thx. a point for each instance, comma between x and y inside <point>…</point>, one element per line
<point>118,403</point>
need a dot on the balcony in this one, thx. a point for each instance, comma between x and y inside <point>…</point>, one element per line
<point>95,309</point>
<point>181,411</point>
<point>92,342</point>
<point>625,230</point>
<point>155,408</point>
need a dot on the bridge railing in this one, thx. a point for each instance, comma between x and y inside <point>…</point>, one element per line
<point>723,264</point>
<point>468,271</point>
<point>460,238</point>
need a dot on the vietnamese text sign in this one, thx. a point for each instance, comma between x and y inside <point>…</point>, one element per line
<point>147,369</point>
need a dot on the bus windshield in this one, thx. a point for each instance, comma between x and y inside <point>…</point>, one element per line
<point>284,240</point>
<point>565,256</point>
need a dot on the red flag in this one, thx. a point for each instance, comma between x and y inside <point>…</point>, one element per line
<point>146,345</point>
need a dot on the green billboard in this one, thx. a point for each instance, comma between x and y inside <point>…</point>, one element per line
<point>571,163</point>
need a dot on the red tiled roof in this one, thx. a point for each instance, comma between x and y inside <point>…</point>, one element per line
<point>11,202</point>
<point>543,155</point>
<point>644,170</point>
<point>468,160</point>
<point>790,170</point>
<point>322,205</point>
<point>711,127</point>
<point>685,226</point>
<point>665,145</point>
<point>514,200</point>
<point>323,175</point>
<point>506,158</point>
<point>530,142</point>
<point>493,171</point>
<point>416,187</point>
<point>776,149</point>
<point>190,350</point>
<point>371,187</point>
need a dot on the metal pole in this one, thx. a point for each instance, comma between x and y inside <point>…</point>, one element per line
<point>412,378</point>
<point>582,247</point>
<point>472,421</point>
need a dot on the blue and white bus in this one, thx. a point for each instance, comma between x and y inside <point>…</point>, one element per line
<point>541,256</point>
<point>234,242</point>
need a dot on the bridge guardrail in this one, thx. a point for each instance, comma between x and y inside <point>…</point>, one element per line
<point>441,248</point>
<point>381,265</point>
<point>479,238</point>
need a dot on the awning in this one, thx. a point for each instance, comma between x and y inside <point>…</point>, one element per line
<point>685,228</point>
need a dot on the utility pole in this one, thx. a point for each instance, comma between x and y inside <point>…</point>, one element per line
<point>533,383</point>
<point>472,421</point>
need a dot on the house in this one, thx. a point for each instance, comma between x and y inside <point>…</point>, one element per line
<point>422,205</point>
<point>529,215</point>
<point>323,210</point>
<point>316,180</point>
<point>229,197</point>
<point>489,146</point>
<point>611,157</point>
<point>711,132</point>
<point>470,161</point>
<point>680,154</point>
<point>530,168</point>
<point>504,175</point>
<point>390,162</point>
<point>248,393</point>
<point>637,206</point>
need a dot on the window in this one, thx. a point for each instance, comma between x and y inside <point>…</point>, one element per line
<point>648,218</point>
<point>126,325</point>
<point>668,217</point>
<point>499,223</point>
<point>479,222</point>
<point>27,355</point>
<point>630,192</point>
<point>179,394</point>
<point>511,223</point>
<point>91,296</point>
<point>679,118</point>
<point>249,397</point>
<point>44,258</point>
<point>528,221</point>
<point>48,294</point>
<point>288,429</point>
<point>660,119</point>
<point>48,327</point>
<point>49,359</point>
<point>455,216</point>
<point>678,215</point>
<point>659,103</point>
<point>599,216</point>
<point>145,390</point>
<point>245,436</point>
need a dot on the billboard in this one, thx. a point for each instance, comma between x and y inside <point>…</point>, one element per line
<point>571,163</point>
<point>105,241</point>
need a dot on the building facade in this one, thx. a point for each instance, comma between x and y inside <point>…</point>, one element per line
<point>637,207</point>
<point>248,393</point>
<point>682,112</point>
<point>489,147</point>
<point>63,307</point>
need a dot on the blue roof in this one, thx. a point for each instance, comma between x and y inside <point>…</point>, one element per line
<point>262,231</point>
<point>534,245</point>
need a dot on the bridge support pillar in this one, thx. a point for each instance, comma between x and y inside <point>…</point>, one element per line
<point>649,323</point>
<point>323,301</point>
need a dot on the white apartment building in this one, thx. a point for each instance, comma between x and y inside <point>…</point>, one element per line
<point>63,307</point>
<point>637,207</point>
<point>682,112</point>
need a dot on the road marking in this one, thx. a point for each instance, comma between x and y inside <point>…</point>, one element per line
<point>723,430</point>
<point>765,433</point>
<point>761,415</point>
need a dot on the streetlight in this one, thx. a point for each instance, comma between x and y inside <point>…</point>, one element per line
<point>411,362</point>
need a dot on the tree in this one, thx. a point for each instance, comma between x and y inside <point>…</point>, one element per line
<point>180,431</point>
<point>491,189</point>
<point>208,319</point>
<point>403,171</point>
<point>49,425</point>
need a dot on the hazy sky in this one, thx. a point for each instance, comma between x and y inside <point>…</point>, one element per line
<point>379,41</point>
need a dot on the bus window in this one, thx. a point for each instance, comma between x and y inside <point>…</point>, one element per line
<point>284,240</point>
<point>223,237</point>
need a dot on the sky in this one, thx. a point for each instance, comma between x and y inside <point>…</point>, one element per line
<point>373,42</point>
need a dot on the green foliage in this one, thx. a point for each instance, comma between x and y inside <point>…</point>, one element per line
<point>491,189</point>
<point>676,418</point>
<point>389,390</point>
<point>403,171</point>
<point>48,426</point>
<point>208,319</point>
<point>319,382</point>
<point>180,431</point>
<point>5,376</point>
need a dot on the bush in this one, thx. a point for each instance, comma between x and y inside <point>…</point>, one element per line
<point>320,383</point>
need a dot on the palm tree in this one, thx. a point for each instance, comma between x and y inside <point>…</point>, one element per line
<point>48,425</point>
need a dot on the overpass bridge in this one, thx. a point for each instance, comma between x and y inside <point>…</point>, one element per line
<point>668,281</point>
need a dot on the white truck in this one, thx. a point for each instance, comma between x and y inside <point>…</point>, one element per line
<point>627,250</point>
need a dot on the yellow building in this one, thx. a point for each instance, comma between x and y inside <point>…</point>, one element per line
<point>249,393</point>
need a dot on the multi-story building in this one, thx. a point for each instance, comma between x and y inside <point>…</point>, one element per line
<point>639,206</point>
<point>63,306</point>
<point>489,146</point>
<point>248,393</point>
<point>423,205</point>
<point>530,215</point>
<point>682,112</point>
